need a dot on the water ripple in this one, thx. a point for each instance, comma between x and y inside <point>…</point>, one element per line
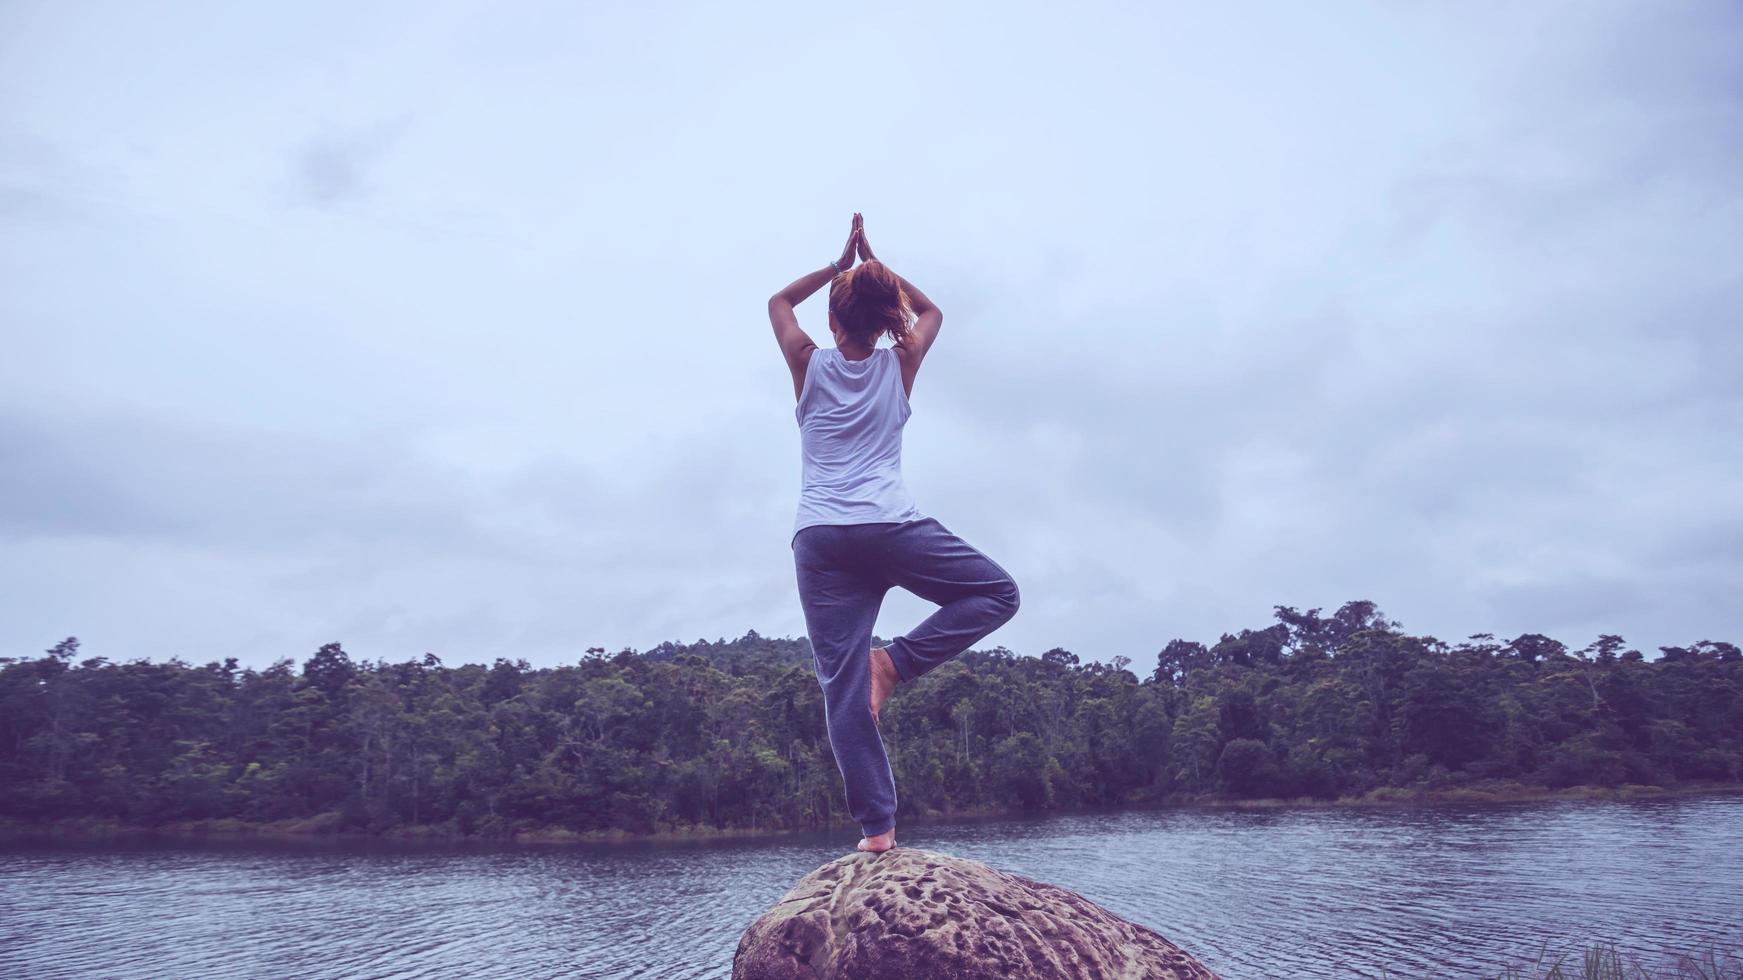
<point>1309,893</point>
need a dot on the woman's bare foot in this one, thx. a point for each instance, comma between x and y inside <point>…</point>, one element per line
<point>883,680</point>
<point>880,843</point>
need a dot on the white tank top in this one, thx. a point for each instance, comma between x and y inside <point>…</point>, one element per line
<point>850,416</point>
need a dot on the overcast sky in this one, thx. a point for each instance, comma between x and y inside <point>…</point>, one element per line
<point>428,328</point>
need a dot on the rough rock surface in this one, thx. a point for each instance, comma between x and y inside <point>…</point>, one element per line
<point>910,913</point>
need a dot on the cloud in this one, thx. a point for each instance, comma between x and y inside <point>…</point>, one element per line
<point>135,476</point>
<point>335,168</point>
<point>1407,304</point>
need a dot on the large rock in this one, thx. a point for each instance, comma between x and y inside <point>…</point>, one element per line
<point>914,914</point>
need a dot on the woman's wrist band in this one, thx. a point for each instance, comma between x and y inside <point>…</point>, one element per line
<point>836,266</point>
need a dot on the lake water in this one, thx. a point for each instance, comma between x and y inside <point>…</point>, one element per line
<point>1312,892</point>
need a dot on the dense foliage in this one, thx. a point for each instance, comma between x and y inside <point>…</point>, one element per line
<point>730,734</point>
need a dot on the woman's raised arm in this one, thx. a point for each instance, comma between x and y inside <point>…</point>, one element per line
<point>928,318</point>
<point>796,344</point>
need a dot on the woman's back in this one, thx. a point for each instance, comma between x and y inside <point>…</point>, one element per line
<point>851,415</point>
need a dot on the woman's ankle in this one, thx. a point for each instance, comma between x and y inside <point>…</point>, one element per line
<point>878,842</point>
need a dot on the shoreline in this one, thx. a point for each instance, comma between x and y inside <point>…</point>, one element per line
<point>322,827</point>
<point>1498,792</point>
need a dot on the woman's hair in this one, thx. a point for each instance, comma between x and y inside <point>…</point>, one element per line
<point>869,301</point>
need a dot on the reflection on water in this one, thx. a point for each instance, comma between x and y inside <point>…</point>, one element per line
<point>1435,891</point>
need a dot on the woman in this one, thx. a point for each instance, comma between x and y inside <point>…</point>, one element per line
<point>858,531</point>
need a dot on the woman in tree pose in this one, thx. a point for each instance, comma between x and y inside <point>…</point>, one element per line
<point>858,531</point>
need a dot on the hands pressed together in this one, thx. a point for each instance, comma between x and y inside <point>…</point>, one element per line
<point>856,245</point>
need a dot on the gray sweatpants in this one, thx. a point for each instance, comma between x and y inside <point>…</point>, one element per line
<point>844,571</point>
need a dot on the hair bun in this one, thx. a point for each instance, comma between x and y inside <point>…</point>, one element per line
<point>869,302</point>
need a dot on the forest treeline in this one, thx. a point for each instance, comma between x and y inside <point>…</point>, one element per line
<point>730,734</point>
